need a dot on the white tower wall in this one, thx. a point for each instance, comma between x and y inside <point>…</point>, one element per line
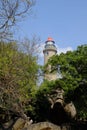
<point>49,50</point>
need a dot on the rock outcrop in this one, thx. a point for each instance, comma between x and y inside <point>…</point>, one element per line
<point>50,126</point>
<point>21,123</point>
<point>42,126</point>
<point>60,111</point>
<point>70,110</point>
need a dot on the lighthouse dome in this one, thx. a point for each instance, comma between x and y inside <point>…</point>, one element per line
<point>50,45</point>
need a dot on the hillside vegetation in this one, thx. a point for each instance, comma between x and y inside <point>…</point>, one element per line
<point>19,94</point>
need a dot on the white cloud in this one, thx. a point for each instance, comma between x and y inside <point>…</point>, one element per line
<point>63,50</point>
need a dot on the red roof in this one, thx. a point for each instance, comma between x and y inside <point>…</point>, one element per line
<point>50,39</point>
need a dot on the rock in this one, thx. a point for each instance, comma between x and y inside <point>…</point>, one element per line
<point>43,126</point>
<point>19,124</point>
<point>57,114</point>
<point>70,110</point>
<point>60,114</point>
<point>56,96</point>
<point>51,126</point>
<point>60,101</point>
<point>28,123</point>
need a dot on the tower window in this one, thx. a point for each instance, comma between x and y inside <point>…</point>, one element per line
<point>47,53</point>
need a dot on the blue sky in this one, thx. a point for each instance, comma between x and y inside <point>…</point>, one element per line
<point>63,20</point>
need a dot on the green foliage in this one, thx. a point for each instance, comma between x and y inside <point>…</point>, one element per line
<point>73,68</point>
<point>72,64</point>
<point>18,75</point>
<point>39,108</point>
<point>80,99</point>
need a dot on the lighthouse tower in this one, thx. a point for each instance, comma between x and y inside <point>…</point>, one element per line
<point>49,50</point>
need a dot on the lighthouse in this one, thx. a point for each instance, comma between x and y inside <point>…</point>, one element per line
<point>49,50</point>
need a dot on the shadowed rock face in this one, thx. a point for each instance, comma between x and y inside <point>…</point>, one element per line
<point>47,128</point>
<point>60,112</point>
<point>58,115</point>
<point>70,110</point>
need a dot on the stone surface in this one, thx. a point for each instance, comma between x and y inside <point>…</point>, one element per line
<point>70,110</point>
<point>42,126</point>
<point>50,126</point>
<point>60,112</point>
<point>19,124</point>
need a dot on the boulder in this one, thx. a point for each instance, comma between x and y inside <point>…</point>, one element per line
<point>70,110</point>
<point>43,126</point>
<point>21,123</point>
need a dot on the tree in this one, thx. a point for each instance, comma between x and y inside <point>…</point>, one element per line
<point>73,68</point>
<point>18,75</point>
<point>10,13</point>
<point>72,64</point>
